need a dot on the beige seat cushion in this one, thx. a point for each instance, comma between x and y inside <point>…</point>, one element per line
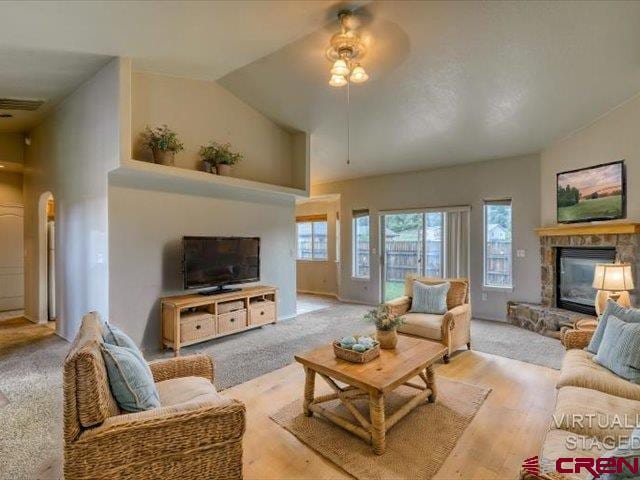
<point>185,389</point>
<point>579,370</point>
<point>557,444</point>
<point>589,412</point>
<point>426,325</point>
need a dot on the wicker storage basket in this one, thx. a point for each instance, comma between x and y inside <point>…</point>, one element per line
<point>356,357</point>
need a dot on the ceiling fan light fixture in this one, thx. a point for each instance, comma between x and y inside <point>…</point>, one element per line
<point>340,67</point>
<point>337,81</point>
<point>359,75</point>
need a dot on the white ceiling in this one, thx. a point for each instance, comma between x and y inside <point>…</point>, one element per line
<point>40,75</point>
<point>50,47</point>
<point>452,82</point>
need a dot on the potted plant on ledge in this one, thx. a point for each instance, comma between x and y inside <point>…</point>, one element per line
<point>386,323</point>
<point>220,156</point>
<point>163,143</point>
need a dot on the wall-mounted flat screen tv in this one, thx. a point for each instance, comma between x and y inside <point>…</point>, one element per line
<point>593,193</point>
<point>219,261</point>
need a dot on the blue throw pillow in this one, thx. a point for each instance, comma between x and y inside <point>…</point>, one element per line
<point>619,349</point>
<point>114,336</point>
<point>629,450</point>
<point>430,298</point>
<point>130,379</point>
<point>623,313</point>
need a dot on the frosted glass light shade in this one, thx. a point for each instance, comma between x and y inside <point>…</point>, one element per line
<point>614,277</point>
<point>340,67</point>
<point>337,81</point>
<point>359,75</point>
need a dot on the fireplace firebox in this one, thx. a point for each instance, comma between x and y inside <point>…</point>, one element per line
<point>574,276</point>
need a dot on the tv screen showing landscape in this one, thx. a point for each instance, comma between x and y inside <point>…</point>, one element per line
<point>594,193</point>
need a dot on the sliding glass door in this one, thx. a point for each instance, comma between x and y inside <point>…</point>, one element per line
<point>431,243</point>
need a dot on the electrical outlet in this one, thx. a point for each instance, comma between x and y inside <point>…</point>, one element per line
<point>484,296</point>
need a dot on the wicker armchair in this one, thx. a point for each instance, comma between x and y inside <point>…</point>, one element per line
<point>195,434</point>
<point>453,329</point>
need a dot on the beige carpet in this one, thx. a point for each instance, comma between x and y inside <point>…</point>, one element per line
<point>417,446</point>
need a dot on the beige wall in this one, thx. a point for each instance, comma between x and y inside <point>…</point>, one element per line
<point>319,276</point>
<point>70,156</point>
<point>11,148</point>
<point>516,178</point>
<point>610,138</point>
<point>11,188</point>
<point>200,111</point>
<point>145,232</point>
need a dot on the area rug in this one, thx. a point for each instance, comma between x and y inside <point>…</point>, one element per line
<point>417,445</point>
<point>240,358</point>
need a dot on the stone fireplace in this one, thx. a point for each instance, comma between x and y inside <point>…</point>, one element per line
<point>576,248</point>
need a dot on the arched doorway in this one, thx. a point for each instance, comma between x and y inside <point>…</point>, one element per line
<point>46,244</point>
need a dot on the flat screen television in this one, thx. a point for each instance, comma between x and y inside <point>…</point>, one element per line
<point>215,262</point>
<point>592,193</point>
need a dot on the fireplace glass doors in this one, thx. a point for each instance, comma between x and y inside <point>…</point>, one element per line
<point>574,277</point>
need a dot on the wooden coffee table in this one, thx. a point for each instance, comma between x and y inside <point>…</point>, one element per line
<point>411,358</point>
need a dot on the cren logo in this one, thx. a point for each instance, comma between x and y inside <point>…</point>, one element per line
<point>531,465</point>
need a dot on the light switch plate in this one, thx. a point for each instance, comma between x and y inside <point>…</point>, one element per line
<point>520,253</point>
<point>484,296</point>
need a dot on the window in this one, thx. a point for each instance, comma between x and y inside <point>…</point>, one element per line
<point>497,244</point>
<point>361,244</point>
<point>434,250</point>
<point>311,239</point>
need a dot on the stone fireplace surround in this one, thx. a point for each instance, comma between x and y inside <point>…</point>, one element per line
<point>545,318</point>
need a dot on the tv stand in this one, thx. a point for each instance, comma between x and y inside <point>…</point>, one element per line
<point>202,316</point>
<point>215,290</point>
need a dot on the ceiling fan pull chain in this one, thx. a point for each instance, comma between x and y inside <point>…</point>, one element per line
<point>348,124</point>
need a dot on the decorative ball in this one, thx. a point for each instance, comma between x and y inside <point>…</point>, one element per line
<point>368,341</point>
<point>358,347</point>
<point>348,341</point>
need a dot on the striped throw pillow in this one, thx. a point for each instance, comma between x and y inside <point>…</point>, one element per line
<point>429,298</point>
<point>619,349</point>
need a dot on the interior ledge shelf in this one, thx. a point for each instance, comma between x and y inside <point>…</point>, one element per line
<point>152,176</point>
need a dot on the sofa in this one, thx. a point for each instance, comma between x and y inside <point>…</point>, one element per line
<point>587,390</point>
<point>195,433</point>
<point>453,329</point>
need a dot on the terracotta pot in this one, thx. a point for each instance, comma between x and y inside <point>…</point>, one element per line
<point>388,338</point>
<point>224,170</point>
<point>164,157</point>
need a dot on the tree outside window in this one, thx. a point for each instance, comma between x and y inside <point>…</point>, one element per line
<point>498,244</point>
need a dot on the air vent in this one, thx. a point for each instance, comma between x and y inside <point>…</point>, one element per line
<point>20,104</point>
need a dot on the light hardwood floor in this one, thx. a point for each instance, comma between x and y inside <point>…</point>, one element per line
<point>508,428</point>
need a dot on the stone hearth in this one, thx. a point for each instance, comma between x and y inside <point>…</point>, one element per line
<point>545,318</point>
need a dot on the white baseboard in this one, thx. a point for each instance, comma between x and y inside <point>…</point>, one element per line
<point>287,317</point>
<point>313,292</point>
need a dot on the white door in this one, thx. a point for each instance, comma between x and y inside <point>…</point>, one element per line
<point>11,258</point>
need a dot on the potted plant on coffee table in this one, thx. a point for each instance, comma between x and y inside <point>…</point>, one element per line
<point>163,143</point>
<point>386,323</point>
<point>221,155</point>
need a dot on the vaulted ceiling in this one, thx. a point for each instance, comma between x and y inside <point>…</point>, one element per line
<point>47,48</point>
<point>452,82</point>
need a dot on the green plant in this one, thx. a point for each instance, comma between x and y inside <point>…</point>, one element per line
<point>162,138</point>
<point>383,318</point>
<point>219,154</point>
